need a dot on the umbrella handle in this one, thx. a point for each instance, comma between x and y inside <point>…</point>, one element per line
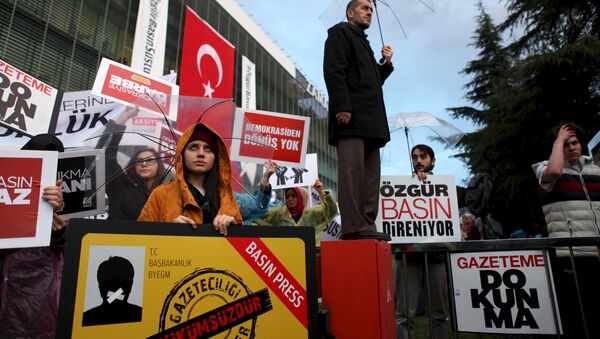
<point>382,60</point>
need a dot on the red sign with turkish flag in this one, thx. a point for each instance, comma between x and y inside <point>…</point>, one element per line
<point>207,65</point>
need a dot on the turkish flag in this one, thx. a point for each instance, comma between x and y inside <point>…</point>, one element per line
<point>207,66</point>
<point>207,70</point>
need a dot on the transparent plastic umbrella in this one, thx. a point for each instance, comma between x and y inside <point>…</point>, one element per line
<point>443,131</point>
<point>147,130</point>
<point>390,16</point>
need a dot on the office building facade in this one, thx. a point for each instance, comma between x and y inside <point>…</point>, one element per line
<point>62,43</point>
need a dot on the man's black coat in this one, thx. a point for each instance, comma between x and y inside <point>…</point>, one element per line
<point>354,79</point>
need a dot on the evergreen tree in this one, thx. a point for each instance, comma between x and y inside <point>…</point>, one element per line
<point>550,73</point>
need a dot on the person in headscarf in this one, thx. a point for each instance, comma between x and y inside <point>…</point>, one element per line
<point>30,284</point>
<point>201,193</point>
<point>295,212</point>
<point>295,199</point>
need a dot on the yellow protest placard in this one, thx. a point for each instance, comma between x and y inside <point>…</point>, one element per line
<point>128,279</point>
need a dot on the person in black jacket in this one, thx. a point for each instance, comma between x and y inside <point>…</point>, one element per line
<point>128,188</point>
<point>421,280</point>
<point>357,121</point>
<point>30,277</point>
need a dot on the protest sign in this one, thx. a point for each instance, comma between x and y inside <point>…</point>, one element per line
<point>28,104</point>
<point>333,230</point>
<point>296,176</point>
<point>506,292</point>
<point>143,129</point>
<point>26,219</point>
<point>148,52</point>
<point>411,211</point>
<point>168,142</point>
<point>258,282</point>
<point>82,173</point>
<point>81,115</point>
<point>248,83</point>
<point>261,135</point>
<point>127,86</point>
<point>313,200</point>
<point>11,140</point>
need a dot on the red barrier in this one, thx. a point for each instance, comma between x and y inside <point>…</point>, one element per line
<point>358,288</point>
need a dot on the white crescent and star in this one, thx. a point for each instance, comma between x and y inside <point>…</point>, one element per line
<point>209,51</point>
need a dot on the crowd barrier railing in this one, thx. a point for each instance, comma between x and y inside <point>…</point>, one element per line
<point>546,245</point>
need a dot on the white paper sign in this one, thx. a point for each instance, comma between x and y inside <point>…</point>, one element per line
<point>81,115</point>
<point>248,84</point>
<point>295,176</point>
<point>28,103</point>
<point>504,292</point>
<point>333,230</point>
<point>143,129</point>
<point>148,54</point>
<point>411,211</point>
<point>11,140</point>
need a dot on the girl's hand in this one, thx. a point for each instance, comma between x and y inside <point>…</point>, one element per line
<point>182,219</point>
<point>222,222</point>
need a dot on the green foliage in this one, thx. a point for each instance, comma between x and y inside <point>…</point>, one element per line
<point>549,73</point>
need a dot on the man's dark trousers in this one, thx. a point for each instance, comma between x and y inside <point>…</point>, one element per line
<point>359,173</point>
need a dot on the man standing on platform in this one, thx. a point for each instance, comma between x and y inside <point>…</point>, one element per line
<point>357,120</point>
<point>414,278</point>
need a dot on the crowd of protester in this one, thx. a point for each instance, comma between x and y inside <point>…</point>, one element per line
<point>198,192</point>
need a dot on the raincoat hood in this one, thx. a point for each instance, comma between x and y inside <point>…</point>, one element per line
<point>227,201</point>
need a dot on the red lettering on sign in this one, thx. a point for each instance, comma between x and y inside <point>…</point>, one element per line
<point>419,208</point>
<point>274,274</point>
<point>501,261</point>
<point>25,78</point>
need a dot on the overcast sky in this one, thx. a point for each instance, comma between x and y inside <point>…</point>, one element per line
<point>427,63</point>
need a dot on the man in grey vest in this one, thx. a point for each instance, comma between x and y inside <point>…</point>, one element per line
<point>569,189</point>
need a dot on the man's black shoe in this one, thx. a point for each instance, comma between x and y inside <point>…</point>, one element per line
<point>366,234</point>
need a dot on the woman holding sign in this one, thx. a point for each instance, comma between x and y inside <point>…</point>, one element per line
<point>128,188</point>
<point>30,281</point>
<point>202,192</point>
<point>294,212</point>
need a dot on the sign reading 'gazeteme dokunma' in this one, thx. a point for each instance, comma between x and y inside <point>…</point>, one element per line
<point>503,292</point>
